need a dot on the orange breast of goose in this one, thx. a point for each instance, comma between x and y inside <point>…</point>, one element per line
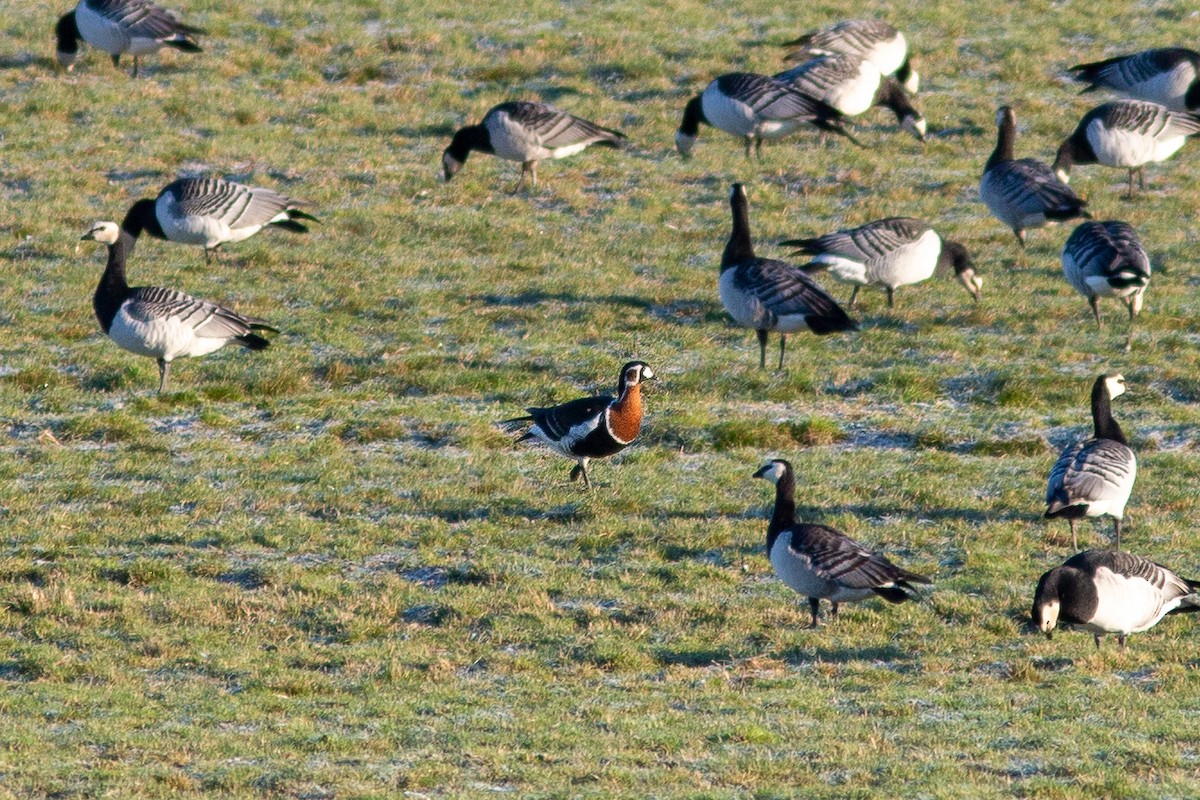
<point>625,416</point>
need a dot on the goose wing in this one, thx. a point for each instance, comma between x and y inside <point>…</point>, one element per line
<point>866,242</point>
<point>1032,187</point>
<point>834,556</point>
<point>208,320</point>
<point>141,19</point>
<point>773,99</point>
<point>1108,251</point>
<point>784,290</point>
<point>1144,118</point>
<point>555,128</point>
<point>1130,72</point>
<point>1128,565</point>
<point>851,36</point>
<point>1096,469</point>
<point>234,204</point>
<point>558,421</point>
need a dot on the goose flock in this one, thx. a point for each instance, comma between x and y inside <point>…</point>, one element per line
<point>848,68</point>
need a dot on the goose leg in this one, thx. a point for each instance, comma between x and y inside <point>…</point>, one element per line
<point>891,297</point>
<point>1132,314</point>
<point>815,605</point>
<point>1129,196</point>
<point>1094,302</point>
<point>758,148</point>
<point>1121,641</point>
<point>520,180</point>
<point>1074,540</point>
<point>1117,529</point>
<point>782,345</point>
<point>581,469</point>
<point>533,174</point>
<point>833,611</point>
<point>1020,234</point>
<point>854,297</point>
<point>116,59</point>
<point>749,145</point>
<point>1096,636</point>
<point>762,349</point>
<point>164,368</point>
<point>136,62</point>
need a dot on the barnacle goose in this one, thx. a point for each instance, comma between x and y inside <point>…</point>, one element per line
<point>137,27</point>
<point>754,107</point>
<point>591,427</point>
<point>1106,259</point>
<point>1111,592</point>
<point>527,132</point>
<point>1166,75</point>
<point>1126,134</point>
<point>1024,193</point>
<point>873,39</point>
<point>891,252</point>
<point>852,85</point>
<point>822,562</point>
<point>769,295</point>
<point>163,324</point>
<point>1093,478</point>
<point>212,211</point>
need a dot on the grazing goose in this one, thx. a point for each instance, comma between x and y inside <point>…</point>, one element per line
<point>1169,76</point>
<point>1107,592</point>
<point>873,39</point>
<point>1106,259</point>
<point>137,27</point>
<point>769,295</point>
<point>888,252</point>
<point>1093,478</point>
<point>211,211</point>
<point>1024,193</point>
<point>754,107</point>
<point>852,85</point>
<point>822,562</point>
<point>527,132</point>
<point>591,427</point>
<point>1126,134</point>
<point>164,324</point>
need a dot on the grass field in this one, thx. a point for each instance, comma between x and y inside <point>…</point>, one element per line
<point>321,571</point>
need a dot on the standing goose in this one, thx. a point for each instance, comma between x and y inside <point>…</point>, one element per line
<point>1169,76</point>
<point>526,132</point>
<point>1093,478</point>
<point>891,252</point>
<point>873,39</point>
<point>822,562</point>
<point>164,324</point>
<point>591,427</point>
<point>1109,592</point>
<point>769,295</point>
<point>1126,134</point>
<point>211,211</point>
<point>137,27</point>
<point>754,107</point>
<point>1107,259</point>
<point>852,85</point>
<point>1024,193</point>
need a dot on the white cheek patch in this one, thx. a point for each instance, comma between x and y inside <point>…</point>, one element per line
<point>1116,386</point>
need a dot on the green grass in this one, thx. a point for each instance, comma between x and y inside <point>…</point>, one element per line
<point>320,571</point>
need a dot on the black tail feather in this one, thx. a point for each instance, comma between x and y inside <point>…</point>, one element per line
<point>295,213</point>
<point>291,225</point>
<point>834,321</point>
<point>185,45</point>
<point>254,341</point>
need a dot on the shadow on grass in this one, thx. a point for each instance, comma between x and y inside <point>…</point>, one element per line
<point>25,60</point>
<point>532,298</point>
<point>442,130</point>
<point>693,656</point>
<point>805,656</point>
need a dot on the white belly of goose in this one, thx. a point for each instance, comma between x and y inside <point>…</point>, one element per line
<point>1126,604</point>
<point>1168,88</point>
<point>796,571</point>
<point>910,263</point>
<point>856,96</point>
<point>747,310</point>
<point>159,337</point>
<point>1116,147</point>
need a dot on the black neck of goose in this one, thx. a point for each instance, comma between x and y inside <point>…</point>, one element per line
<point>141,219</point>
<point>905,70</point>
<point>113,289</point>
<point>1005,139</point>
<point>1074,150</point>
<point>1106,426</point>
<point>955,255</point>
<point>740,248</point>
<point>1191,99</point>
<point>472,137</point>
<point>891,95</point>
<point>67,33</point>
<point>784,515</point>
<point>693,115</point>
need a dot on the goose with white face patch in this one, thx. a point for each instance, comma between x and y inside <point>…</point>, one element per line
<point>1106,259</point>
<point>1108,592</point>
<point>163,324</point>
<point>1024,193</point>
<point>873,39</point>
<point>853,85</point>
<point>119,27</point>
<point>591,427</point>
<point>821,562</point>
<point>211,212</point>
<point>1127,134</point>
<point>753,108</point>
<point>1169,76</point>
<point>769,295</point>
<point>526,132</point>
<point>890,253</point>
<point>1094,478</point>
